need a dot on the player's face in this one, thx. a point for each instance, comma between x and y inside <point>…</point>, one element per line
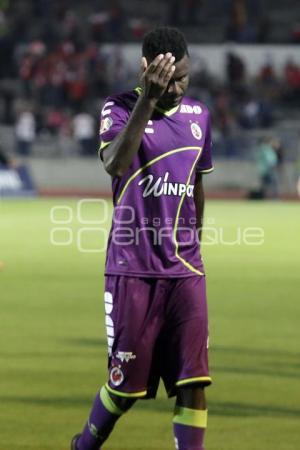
<point>177,86</point>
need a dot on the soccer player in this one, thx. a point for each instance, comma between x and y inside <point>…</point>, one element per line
<point>155,144</point>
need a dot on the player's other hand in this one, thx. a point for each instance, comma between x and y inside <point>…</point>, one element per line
<point>156,76</point>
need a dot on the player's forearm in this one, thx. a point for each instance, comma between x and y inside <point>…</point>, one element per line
<point>199,204</point>
<point>120,153</point>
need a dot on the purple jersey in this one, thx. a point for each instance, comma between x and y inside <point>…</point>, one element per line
<point>153,233</point>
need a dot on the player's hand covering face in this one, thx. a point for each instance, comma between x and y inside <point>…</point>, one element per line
<point>163,81</point>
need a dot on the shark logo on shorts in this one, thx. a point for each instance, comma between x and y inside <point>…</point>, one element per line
<point>125,356</point>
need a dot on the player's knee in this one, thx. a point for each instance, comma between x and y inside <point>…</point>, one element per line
<point>122,403</point>
<point>192,396</point>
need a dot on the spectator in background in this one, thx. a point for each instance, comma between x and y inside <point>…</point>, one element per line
<point>256,111</point>
<point>57,121</point>
<point>109,23</point>
<point>263,30</point>
<point>184,12</point>
<point>267,76</point>
<point>84,133</point>
<point>239,29</point>
<point>25,132</point>
<point>280,153</point>
<point>117,20</point>
<point>174,12</point>
<point>297,167</point>
<point>235,69</point>
<point>5,161</point>
<point>7,94</point>
<point>267,161</point>
<point>250,111</point>
<point>298,175</point>
<point>192,8</point>
<point>292,79</point>
<point>295,33</point>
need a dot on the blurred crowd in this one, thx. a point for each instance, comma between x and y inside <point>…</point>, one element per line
<point>244,102</point>
<point>54,73</point>
<point>61,91</point>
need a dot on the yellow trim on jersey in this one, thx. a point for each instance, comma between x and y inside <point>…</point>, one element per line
<point>158,158</point>
<point>192,380</point>
<point>167,112</point>
<point>190,417</point>
<point>206,170</point>
<point>102,146</point>
<point>184,262</point>
<point>125,394</point>
<point>153,161</point>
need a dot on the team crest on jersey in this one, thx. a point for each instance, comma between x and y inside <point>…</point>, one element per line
<point>106,123</point>
<point>116,376</point>
<point>196,131</point>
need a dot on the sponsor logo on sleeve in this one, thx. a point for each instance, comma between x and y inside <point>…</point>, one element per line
<point>106,124</point>
<point>125,356</point>
<point>106,110</point>
<point>190,109</point>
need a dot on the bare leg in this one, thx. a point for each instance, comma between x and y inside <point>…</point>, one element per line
<point>190,418</point>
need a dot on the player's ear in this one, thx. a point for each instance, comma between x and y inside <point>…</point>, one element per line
<point>144,64</point>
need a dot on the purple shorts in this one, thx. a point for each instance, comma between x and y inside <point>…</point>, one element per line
<point>156,328</point>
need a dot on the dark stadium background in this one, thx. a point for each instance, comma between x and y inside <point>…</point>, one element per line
<point>60,59</point>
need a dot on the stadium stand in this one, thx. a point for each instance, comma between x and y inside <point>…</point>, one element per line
<point>63,65</point>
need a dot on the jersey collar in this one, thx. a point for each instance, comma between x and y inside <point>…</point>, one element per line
<point>166,112</point>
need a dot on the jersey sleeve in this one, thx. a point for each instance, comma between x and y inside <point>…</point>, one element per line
<point>114,117</point>
<point>205,164</point>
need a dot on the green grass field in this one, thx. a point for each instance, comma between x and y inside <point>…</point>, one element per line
<point>53,345</point>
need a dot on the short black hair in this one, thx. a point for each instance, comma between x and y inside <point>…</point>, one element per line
<point>163,40</point>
